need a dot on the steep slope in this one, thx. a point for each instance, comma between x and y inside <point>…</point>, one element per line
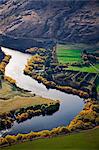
<point>66,21</point>
<point>2,55</point>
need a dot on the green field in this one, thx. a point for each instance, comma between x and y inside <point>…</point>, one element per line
<point>85,69</point>
<point>67,55</point>
<point>70,54</point>
<point>87,140</point>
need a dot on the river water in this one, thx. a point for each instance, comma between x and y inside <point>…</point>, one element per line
<point>70,105</point>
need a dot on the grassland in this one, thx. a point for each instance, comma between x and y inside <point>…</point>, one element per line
<point>87,140</point>
<point>13,99</point>
<point>20,102</point>
<point>9,91</point>
<point>67,55</point>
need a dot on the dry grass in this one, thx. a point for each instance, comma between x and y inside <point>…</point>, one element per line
<point>20,102</point>
<point>8,91</point>
<point>12,99</point>
<point>6,88</point>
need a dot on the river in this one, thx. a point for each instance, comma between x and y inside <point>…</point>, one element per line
<point>70,105</point>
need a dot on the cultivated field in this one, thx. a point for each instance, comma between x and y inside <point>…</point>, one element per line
<point>70,54</point>
<point>67,55</point>
<point>89,69</point>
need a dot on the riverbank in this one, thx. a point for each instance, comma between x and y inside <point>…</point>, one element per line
<point>18,104</point>
<point>51,84</point>
<point>36,62</point>
<point>83,140</point>
<point>88,118</point>
<point>4,63</point>
<point>22,108</point>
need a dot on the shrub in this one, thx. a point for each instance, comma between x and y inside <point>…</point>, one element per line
<point>9,79</point>
<point>95,108</point>
<point>31,135</point>
<point>90,116</point>
<point>45,133</point>
<point>88,125</point>
<point>19,137</point>
<point>63,130</point>
<point>55,131</point>
<point>3,141</point>
<point>97,120</point>
<point>10,139</point>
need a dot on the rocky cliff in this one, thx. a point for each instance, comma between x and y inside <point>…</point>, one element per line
<point>60,20</point>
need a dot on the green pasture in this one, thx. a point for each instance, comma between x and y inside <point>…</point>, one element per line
<point>67,55</point>
<point>87,140</point>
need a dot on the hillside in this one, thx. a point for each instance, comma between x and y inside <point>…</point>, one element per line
<point>67,21</point>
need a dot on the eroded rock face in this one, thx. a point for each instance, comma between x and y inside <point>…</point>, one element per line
<point>68,21</point>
